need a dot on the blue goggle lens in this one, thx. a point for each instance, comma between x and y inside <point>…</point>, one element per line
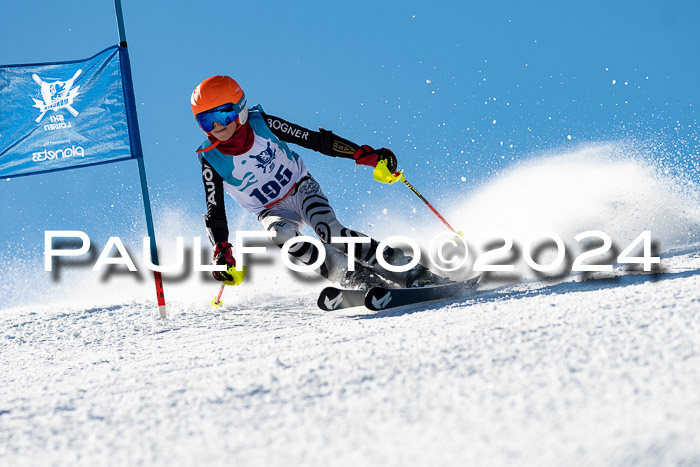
<point>224,115</point>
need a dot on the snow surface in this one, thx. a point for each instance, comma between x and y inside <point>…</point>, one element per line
<point>567,371</point>
<point>604,372</point>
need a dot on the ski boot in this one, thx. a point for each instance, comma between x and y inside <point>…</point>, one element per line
<point>362,278</point>
<point>418,276</point>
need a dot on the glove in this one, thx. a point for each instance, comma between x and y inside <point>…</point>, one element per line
<point>365,155</point>
<point>223,254</point>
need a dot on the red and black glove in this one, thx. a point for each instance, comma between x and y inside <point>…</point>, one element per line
<point>223,254</point>
<point>365,155</point>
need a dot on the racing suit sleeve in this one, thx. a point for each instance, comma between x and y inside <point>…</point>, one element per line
<point>323,141</point>
<point>215,219</point>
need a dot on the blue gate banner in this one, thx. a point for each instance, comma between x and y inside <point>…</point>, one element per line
<point>64,115</point>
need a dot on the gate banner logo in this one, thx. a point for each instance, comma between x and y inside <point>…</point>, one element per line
<point>56,95</point>
<point>64,115</point>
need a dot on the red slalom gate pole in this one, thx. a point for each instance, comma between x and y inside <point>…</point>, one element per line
<point>135,140</point>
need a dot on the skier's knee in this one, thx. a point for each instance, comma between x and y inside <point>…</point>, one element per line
<point>333,228</point>
<point>324,231</point>
<point>283,232</point>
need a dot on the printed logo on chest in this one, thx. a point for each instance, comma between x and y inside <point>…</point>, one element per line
<point>266,159</point>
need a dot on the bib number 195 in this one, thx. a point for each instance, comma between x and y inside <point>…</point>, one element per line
<point>273,188</point>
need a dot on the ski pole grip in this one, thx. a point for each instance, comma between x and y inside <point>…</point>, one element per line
<point>383,175</point>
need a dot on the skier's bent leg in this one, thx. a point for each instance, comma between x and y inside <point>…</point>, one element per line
<point>365,256</point>
<point>317,212</point>
<point>326,225</point>
<point>305,252</point>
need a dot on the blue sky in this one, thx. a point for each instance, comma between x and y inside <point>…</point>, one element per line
<point>459,91</point>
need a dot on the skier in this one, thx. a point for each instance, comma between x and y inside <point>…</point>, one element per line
<point>246,154</point>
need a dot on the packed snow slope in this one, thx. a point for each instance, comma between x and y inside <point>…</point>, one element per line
<point>595,369</point>
<point>603,372</point>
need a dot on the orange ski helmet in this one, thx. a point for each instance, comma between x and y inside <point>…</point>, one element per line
<point>217,91</point>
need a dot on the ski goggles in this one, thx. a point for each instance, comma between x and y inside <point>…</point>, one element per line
<point>223,114</point>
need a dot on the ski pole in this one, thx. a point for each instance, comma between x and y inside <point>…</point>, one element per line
<point>427,203</point>
<point>216,301</point>
<point>383,175</point>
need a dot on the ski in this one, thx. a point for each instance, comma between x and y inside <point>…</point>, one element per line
<point>333,298</point>
<point>383,298</point>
